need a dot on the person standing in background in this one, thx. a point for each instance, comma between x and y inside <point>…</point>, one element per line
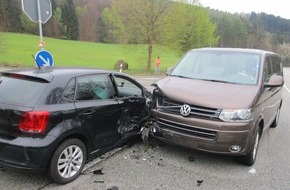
<point>157,65</point>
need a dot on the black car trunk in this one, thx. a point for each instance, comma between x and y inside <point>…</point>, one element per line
<point>18,94</point>
<point>10,117</point>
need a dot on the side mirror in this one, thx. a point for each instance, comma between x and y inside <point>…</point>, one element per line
<point>169,70</point>
<point>275,81</point>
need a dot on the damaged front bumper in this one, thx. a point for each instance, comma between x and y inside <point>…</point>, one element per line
<point>205,135</point>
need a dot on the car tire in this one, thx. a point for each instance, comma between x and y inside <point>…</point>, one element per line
<point>67,161</point>
<point>276,120</point>
<point>250,158</point>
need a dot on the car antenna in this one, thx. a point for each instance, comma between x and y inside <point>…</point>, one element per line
<point>35,61</point>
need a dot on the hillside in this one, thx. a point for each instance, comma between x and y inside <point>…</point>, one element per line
<point>17,50</point>
<point>86,20</point>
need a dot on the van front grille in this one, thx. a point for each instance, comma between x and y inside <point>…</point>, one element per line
<point>170,106</point>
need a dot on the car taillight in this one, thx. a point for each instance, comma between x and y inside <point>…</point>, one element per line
<point>34,122</point>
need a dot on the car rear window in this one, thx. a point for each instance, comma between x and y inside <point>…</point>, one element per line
<point>20,90</point>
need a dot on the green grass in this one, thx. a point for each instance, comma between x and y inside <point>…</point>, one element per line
<point>17,50</point>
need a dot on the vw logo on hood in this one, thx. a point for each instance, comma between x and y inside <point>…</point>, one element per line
<point>185,110</point>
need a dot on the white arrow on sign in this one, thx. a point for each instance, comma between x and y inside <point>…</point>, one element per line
<point>46,61</point>
<point>43,58</point>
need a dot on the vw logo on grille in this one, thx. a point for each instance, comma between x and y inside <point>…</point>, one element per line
<point>185,110</point>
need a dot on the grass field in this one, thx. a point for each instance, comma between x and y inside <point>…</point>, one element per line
<point>17,50</point>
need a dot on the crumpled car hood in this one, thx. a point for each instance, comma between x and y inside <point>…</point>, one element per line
<point>208,94</point>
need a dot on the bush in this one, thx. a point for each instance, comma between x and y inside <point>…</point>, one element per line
<point>121,63</point>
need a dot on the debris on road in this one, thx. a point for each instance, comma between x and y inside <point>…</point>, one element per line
<point>98,172</point>
<point>159,164</point>
<point>113,188</point>
<point>145,133</point>
<point>199,182</point>
<point>191,159</point>
<point>99,181</point>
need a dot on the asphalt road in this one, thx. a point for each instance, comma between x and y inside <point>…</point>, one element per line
<point>156,166</point>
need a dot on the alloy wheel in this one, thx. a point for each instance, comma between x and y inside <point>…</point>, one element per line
<point>70,161</point>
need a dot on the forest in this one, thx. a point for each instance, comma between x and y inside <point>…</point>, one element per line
<point>179,24</point>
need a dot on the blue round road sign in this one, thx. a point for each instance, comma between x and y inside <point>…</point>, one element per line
<point>43,59</point>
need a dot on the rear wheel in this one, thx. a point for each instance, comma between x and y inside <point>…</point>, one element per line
<point>250,158</point>
<point>67,161</point>
<point>276,120</point>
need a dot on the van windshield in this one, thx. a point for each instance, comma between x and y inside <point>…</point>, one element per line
<point>219,66</point>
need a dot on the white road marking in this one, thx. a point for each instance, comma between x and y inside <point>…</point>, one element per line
<point>287,88</point>
<point>252,171</point>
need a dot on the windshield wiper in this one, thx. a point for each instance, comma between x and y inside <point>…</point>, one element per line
<point>221,81</point>
<point>180,76</point>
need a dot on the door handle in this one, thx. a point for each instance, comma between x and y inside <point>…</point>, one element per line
<point>134,100</point>
<point>88,112</point>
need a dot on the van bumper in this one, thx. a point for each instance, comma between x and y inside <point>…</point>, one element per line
<point>205,135</point>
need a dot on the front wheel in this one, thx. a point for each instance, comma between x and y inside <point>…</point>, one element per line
<point>67,161</point>
<point>250,158</point>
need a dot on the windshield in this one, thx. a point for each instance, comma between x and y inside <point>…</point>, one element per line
<point>219,66</point>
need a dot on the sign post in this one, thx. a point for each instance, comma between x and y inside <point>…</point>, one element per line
<point>39,22</point>
<point>38,11</point>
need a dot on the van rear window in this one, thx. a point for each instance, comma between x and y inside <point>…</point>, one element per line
<point>20,90</point>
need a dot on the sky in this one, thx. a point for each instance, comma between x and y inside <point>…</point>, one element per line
<point>275,7</point>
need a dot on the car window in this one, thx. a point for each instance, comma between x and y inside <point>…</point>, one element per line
<point>69,90</point>
<point>268,69</point>
<point>276,65</point>
<point>127,88</point>
<point>59,95</point>
<point>273,66</point>
<point>20,90</point>
<point>94,87</point>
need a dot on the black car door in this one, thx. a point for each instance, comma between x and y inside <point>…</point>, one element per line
<point>130,96</point>
<point>97,109</point>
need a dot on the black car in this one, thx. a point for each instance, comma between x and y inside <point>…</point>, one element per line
<point>56,119</point>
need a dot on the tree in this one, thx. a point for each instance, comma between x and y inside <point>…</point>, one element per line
<point>10,15</point>
<point>2,44</point>
<point>189,26</point>
<point>53,27</point>
<point>232,30</point>
<point>144,20</point>
<point>28,25</point>
<point>101,30</point>
<point>258,38</point>
<point>284,51</point>
<point>70,20</point>
<point>81,13</point>
<point>240,32</point>
<point>113,30</point>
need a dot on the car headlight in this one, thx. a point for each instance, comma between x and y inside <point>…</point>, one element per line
<point>236,115</point>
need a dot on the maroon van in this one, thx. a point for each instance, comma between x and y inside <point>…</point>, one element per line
<point>219,100</point>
